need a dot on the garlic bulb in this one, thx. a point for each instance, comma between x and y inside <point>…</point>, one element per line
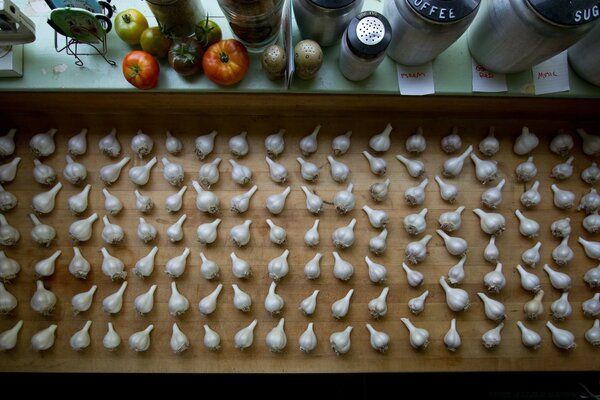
<point>240,174</point>
<point>175,267</point>
<point>110,173</point>
<point>275,144</point>
<point>491,253</point>
<point>140,175</point>
<point>209,173</point>
<point>238,144</point>
<point>415,224</point>
<point>276,202</point>
<point>379,340</point>
<point>308,340</point>
<point>308,170</point>
<point>42,144</point>
<point>112,304</point>
<point>207,233</point>
<point>494,310</point>
<point>8,171</point>
<point>455,245</point>
<point>241,300</point>
<point>525,142</point>
<point>79,267</point>
<point>43,203</point>
<point>485,170</point>
<point>145,265</point>
<point>591,307</point>
<point>273,302</point>
<point>561,144</point>
<point>414,278</point>
<point>43,300</point>
<point>591,174</point>
<point>174,202</point>
<point>492,338</point>
<point>8,338</point>
<point>109,145</point>
<point>378,306</point>
<point>338,170</point>
<point>591,143</point>
<point>8,201</point>
<point>490,223</point>
<point>448,191</point>
<point>173,144</point>
<point>240,268</point>
<point>205,144</point>
<point>563,199</point>
<point>591,277</point>
<point>489,145</point>
<point>206,201</point>
<point>112,204</point>
<point>8,301</point>
<point>42,173</point>
<point>142,144</point>
<point>240,234</point>
<point>314,203</point>
<point>342,269</point>
<point>179,341</point>
<point>341,144</point>
<point>416,305</point>
<point>81,339</point>
<point>212,340</point>
<point>276,339</point>
<point>495,281</point>
<point>172,172</point>
<point>529,281</point>
<point>46,267</point>
<point>340,341</point>
<point>9,268</point>
<point>493,196</point>
<point>144,303</point>
<point>241,202</point>
<point>592,249</point>
<point>377,218</point>
<point>453,166</point>
<point>278,172</point>
<point>78,202</point>
<point>381,142</point>
<point>145,231</point>
<point>245,336</point>
<point>312,269</point>
<point>451,221</point>
<point>526,171</point>
<point>415,195</point>
<point>9,236</point>
<point>378,165</point>
<point>308,144</point>
<point>559,280</point>
<point>74,172</point>
<point>208,304</point>
<point>456,273</point>
<point>590,202</point>
<point>344,200</point>
<point>531,257</point>
<point>311,237</point>
<point>457,299</point>
<point>527,227</point>
<point>7,143</point>
<point>415,168</point>
<point>377,272</point>
<point>561,308</point>
<point>417,251</point>
<point>452,338</point>
<point>561,338</point>
<point>111,233</point>
<point>111,340</point>
<point>140,341</point>
<point>44,339</point>
<point>112,266</point>
<point>278,267</point>
<point>41,233</point>
<point>563,254</point>
<point>309,304</point>
<point>592,335</point>
<point>452,142</point>
<point>531,197</point>
<point>82,302</point>
<point>416,142</point>
<point>209,269</point>
<point>534,307</point>
<point>563,170</point>
<point>343,237</point>
<point>419,337</point>
<point>377,244</point>
<point>379,190</point>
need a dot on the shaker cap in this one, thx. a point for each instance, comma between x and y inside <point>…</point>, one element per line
<point>369,34</point>
<point>573,12</point>
<point>444,11</point>
<point>332,3</point>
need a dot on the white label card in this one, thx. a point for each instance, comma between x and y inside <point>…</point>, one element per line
<point>552,75</point>
<point>415,81</point>
<point>486,81</point>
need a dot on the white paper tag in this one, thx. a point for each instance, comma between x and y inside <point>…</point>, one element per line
<point>552,75</point>
<point>415,81</point>
<point>486,81</point>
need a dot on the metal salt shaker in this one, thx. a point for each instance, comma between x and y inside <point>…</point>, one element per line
<point>584,56</point>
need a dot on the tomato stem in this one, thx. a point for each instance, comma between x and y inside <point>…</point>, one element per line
<point>224,57</point>
<point>126,18</point>
<point>135,71</point>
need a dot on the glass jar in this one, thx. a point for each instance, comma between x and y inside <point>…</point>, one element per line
<point>178,17</point>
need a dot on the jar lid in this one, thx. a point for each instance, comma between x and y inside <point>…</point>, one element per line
<point>573,12</point>
<point>444,10</point>
<point>332,3</point>
<point>369,34</point>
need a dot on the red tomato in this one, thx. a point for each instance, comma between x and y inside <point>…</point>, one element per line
<point>226,62</point>
<point>141,69</point>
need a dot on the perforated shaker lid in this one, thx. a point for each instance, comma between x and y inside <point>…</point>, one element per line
<point>332,3</point>
<point>444,10</point>
<point>572,12</point>
<point>369,34</point>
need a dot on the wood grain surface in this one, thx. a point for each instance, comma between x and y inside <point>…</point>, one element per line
<point>472,356</point>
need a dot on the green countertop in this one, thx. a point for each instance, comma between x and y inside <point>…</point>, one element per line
<point>48,70</point>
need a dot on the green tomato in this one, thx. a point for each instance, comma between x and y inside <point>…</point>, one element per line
<point>129,25</point>
<point>155,42</point>
<point>208,32</point>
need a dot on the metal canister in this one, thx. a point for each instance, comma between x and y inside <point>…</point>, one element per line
<point>513,35</point>
<point>584,56</point>
<point>422,29</point>
<point>324,21</point>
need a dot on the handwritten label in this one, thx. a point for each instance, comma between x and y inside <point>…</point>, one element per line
<point>552,75</point>
<point>487,81</point>
<point>415,81</point>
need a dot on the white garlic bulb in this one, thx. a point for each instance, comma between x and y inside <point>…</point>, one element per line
<point>531,256</point>
<point>207,233</point>
<point>43,300</point>
<point>209,173</point>
<point>415,224</point>
<point>112,266</point>
<point>561,338</point>
<point>495,281</point>
<point>563,170</point>
<point>308,170</point>
<point>112,204</point>
<point>559,280</point>
<point>452,338</point>
<point>145,266</point>
<point>494,310</point>
<point>493,196</point>
<point>419,337</point>
<point>144,303</point>
<point>245,336</point>
<point>314,203</point>
<point>8,201</point>
<point>42,144</point>
<point>110,173</point>
<point>525,142</point>
<point>340,341</point>
<point>377,244</point>
<point>341,144</point>
<point>591,307</point>
<point>239,267</point>
<point>381,142</point>
<point>81,339</point>
<point>338,170</point>
<point>415,168</point>
<point>561,144</point>
<point>456,298</point>
<point>172,172</point>
<point>453,166</point>
<point>241,202</point>
<point>208,304</point>
<point>44,339</point>
<point>8,301</point>
<point>592,335</point>
<point>451,221</point>
<point>41,233</point>
<point>456,273</point>
<point>109,145</point>
<point>416,142</point>
<point>43,203</point>
<point>590,202</point>
<point>278,267</point>
<point>46,267</point>
<point>178,303</point>
<point>561,227</point>
<point>527,226</point>
<point>9,268</point>
<point>377,272</point>
<point>417,251</point>
<point>455,245</point>
<point>278,172</point>
<point>74,172</point>
<point>111,233</point>
<point>9,235</point>
<point>42,173</point>
<point>174,202</point>
<point>113,303</point>
<point>491,253</point>
<point>452,142</point>
<point>414,278</point>
<point>275,144</point>
<point>415,195</point>
<point>485,170</point>
<point>140,341</point>
<point>8,171</point>
<point>529,281</point>
<point>312,269</point>
<point>179,341</point>
<point>142,144</point>
<point>377,218</point>
<point>273,302</point>
<point>79,267</point>
<point>492,338</point>
<point>311,237</point>
<point>379,190</point>
<point>211,340</point>
<point>563,199</point>
<point>8,338</point>
<point>561,308</point>
<point>175,267</point>
<point>490,223</point>
<point>448,191</point>
<point>241,300</point>
<point>309,304</point>
<point>489,145</point>
<point>140,175</point>
<point>276,202</point>
<point>238,144</point>
<point>591,175</point>
<point>343,237</point>
<point>173,144</point>
<point>78,202</point>
<point>276,339</point>
<point>563,254</point>
<point>82,302</point>
<point>308,144</point>
<point>380,341</point>
<point>240,174</point>
<point>378,306</point>
<point>591,143</point>
<point>377,165</point>
<point>205,144</point>
<point>208,269</point>
<point>240,234</point>
<point>591,277</point>
<point>206,201</point>
<point>145,231</point>
<point>531,197</point>
<point>344,200</point>
<point>7,143</point>
<point>416,305</point>
<point>175,231</point>
<point>534,307</point>
<point>308,340</point>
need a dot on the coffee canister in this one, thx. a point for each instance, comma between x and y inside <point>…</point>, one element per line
<point>422,29</point>
<point>324,21</point>
<point>584,56</point>
<point>513,35</point>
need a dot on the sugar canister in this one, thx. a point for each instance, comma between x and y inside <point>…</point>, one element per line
<point>584,56</point>
<point>512,35</point>
<point>422,29</point>
<point>364,44</point>
<point>324,21</point>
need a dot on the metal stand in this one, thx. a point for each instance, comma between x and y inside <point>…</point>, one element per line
<point>76,48</point>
